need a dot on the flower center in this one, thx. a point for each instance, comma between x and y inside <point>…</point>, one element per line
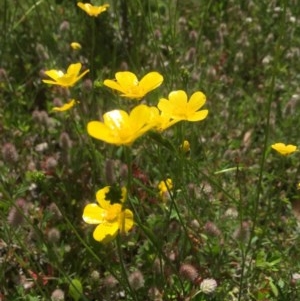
<point>113,212</point>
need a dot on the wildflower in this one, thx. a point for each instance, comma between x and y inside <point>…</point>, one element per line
<point>108,214</point>
<point>75,46</point>
<point>178,108</point>
<point>188,272</point>
<point>65,79</point>
<point>17,212</point>
<point>136,280</point>
<point>212,229</point>
<point>110,282</point>
<point>164,188</point>
<point>284,149</point>
<point>93,11</point>
<point>65,107</point>
<point>127,83</point>
<point>54,235</point>
<point>95,276</point>
<point>185,146</point>
<point>120,128</point>
<point>9,153</point>
<point>57,295</point>
<point>208,286</point>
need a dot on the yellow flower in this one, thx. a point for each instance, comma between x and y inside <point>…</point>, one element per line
<point>65,79</point>
<point>283,149</point>
<point>129,86</point>
<point>65,107</point>
<point>91,10</point>
<point>185,146</point>
<point>75,46</point>
<point>119,128</point>
<point>109,215</point>
<point>178,108</point>
<point>164,188</point>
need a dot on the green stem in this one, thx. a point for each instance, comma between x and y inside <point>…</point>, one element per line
<point>123,269</point>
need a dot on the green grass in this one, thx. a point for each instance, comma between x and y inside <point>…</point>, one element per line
<point>233,211</point>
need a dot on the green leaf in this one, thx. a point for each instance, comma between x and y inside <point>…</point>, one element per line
<point>273,288</point>
<point>75,289</point>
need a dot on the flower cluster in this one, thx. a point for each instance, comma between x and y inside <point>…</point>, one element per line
<point>120,128</point>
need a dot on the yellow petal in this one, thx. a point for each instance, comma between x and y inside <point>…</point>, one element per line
<point>126,221</point>
<point>100,131</point>
<point>113,85</point>
<point>196,101</point>
<point>54,74</point>
<point>139,117</point>
<point>74,69</point>
<point>198,116</point>
<point>93,214</point>
<point>75,46</point>
<point>106,232</point>
<point>151,81</point>
<point>101,197</point>
<point>126,79</point>
<point>65,107</point>
<point>124,194</point>
<point>178,98</point>
<point>165,106</point>
<point>116,119</point>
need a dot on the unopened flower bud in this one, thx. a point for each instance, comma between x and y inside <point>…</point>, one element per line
<point>212,229</point>
<point>53,235</point>
<point>64,26</point>
<point>110,281</point>
<point>64,140</point>
<point>17,212</point>
<point>9,153</point>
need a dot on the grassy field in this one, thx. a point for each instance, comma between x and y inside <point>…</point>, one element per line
<point>141,162</point>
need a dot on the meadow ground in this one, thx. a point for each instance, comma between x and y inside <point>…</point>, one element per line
<point>149,150</point>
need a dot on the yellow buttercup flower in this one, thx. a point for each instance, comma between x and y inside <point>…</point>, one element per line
<point>65,107</point>
<point>75,46</point>
<point>121,128</point>
<point>284,149</point>
<point>92,10</point>
<point>128,84</point>
<point>165,188</point>
<point>65,79</point>
<point>109,215</point>
<point>185,146</point>
<point>178,108</point>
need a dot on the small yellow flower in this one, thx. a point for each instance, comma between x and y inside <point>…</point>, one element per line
<point>185,146</point>
<point>91,10</point>
<point>65,79</point>
<point>109,215</point>
<point>178,108</point>
<point>283,149</point>
<point>75,46</point>
<point>127,83</point>
<point>165,188</point>
<point>121,128</point>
